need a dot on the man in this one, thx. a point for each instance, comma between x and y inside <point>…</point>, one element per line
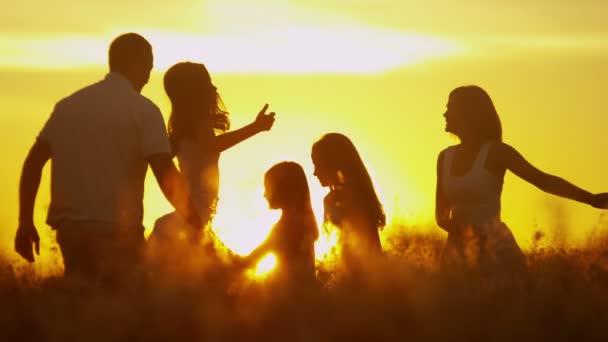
<point>101,140</point>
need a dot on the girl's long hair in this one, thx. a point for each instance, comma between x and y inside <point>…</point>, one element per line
<point>338,153</point>
<point>195,103</point>
<point>290,188</point>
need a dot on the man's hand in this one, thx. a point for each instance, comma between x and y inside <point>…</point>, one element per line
<point>27,241</point>
<point>264,121</point>
<point>27,236</point>
<point>176,190</point>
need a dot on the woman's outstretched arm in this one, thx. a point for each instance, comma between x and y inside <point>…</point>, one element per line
<point>263,122</point>
<point>517,164</point>
<point>259,252</point>
<point>442,205</point>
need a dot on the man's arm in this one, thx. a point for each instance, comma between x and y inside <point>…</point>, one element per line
<point>174,188</point>
<point>27,235</point>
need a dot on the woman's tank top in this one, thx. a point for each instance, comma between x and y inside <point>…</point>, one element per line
<point>474,196</point>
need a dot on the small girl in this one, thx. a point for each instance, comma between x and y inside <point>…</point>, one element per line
<point>293,236</point>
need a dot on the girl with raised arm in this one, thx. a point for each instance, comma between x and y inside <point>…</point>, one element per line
<point>469,186</point>
<point>197,116</point>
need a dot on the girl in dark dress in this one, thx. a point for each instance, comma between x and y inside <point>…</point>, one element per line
<point>351,205</point>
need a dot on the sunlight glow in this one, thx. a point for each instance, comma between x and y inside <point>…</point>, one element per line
<point>325,246</point>
<point>301,49</point>
<point>282,50</point>
<point>243,219</point>
<point>265,266</point>
<point>244,231</point>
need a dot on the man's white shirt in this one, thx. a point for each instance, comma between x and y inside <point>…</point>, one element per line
<point>100,137</point>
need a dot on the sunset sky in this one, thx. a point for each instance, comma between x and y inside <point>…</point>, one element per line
<point>379,71</point>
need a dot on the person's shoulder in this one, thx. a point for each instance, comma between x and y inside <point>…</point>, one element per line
<point>446,151</point>
<point>502,145</point>
<point>508,154</point>
<point>77,96</point>
<point>342,199</point>
<point>203,135</point>
<point>449,148</point>
<point>276,231</point>
<point>502,149</point>
<point>199,141</point>
<point>501,154</point>
<point>146,105</point>
<point>332,197</point>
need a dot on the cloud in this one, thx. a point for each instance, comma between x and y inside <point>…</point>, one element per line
<point>288,49</point>
<point>263,36</point>
<point>450,18</point>
<point>304,49</point>
<point>535,44</point>
<point>72,17</point>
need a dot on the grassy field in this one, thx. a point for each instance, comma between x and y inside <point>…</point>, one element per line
<point>563,296</point>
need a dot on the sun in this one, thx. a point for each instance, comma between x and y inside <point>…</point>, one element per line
<point>264,267</point>
<point>243,220</point>
<point>326,244</point>
<point>244,224</point>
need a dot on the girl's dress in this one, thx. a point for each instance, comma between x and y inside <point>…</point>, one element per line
<point>359,239</point>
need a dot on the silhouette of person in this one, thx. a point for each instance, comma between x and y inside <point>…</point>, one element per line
<point>293,236</point>
<point>100,140</point>
<point>351,204</point>
<point>197,113</point>
<point>469,186</point>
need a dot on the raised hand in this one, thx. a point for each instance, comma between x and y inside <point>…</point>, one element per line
<point>27,241</point>
<point>264,121</point>
<point>600,201</point>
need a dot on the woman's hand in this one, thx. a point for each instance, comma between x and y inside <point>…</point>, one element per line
<point>264,121</point>
<point>599,201</point>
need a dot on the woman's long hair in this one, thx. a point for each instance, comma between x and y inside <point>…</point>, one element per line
<point>195,103</point>
<point>338,154</point>
<point>481,116</point>
<point>288,183</point>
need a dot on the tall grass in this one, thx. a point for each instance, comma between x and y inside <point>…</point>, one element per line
<point>563,296</point>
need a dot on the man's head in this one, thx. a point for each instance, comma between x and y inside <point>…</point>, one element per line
<point>131,55</point>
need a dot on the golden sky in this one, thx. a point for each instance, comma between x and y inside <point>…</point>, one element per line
<point>378,70</point>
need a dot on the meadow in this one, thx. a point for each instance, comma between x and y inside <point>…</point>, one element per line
<point>562,296</point>
<point>378,71</point>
